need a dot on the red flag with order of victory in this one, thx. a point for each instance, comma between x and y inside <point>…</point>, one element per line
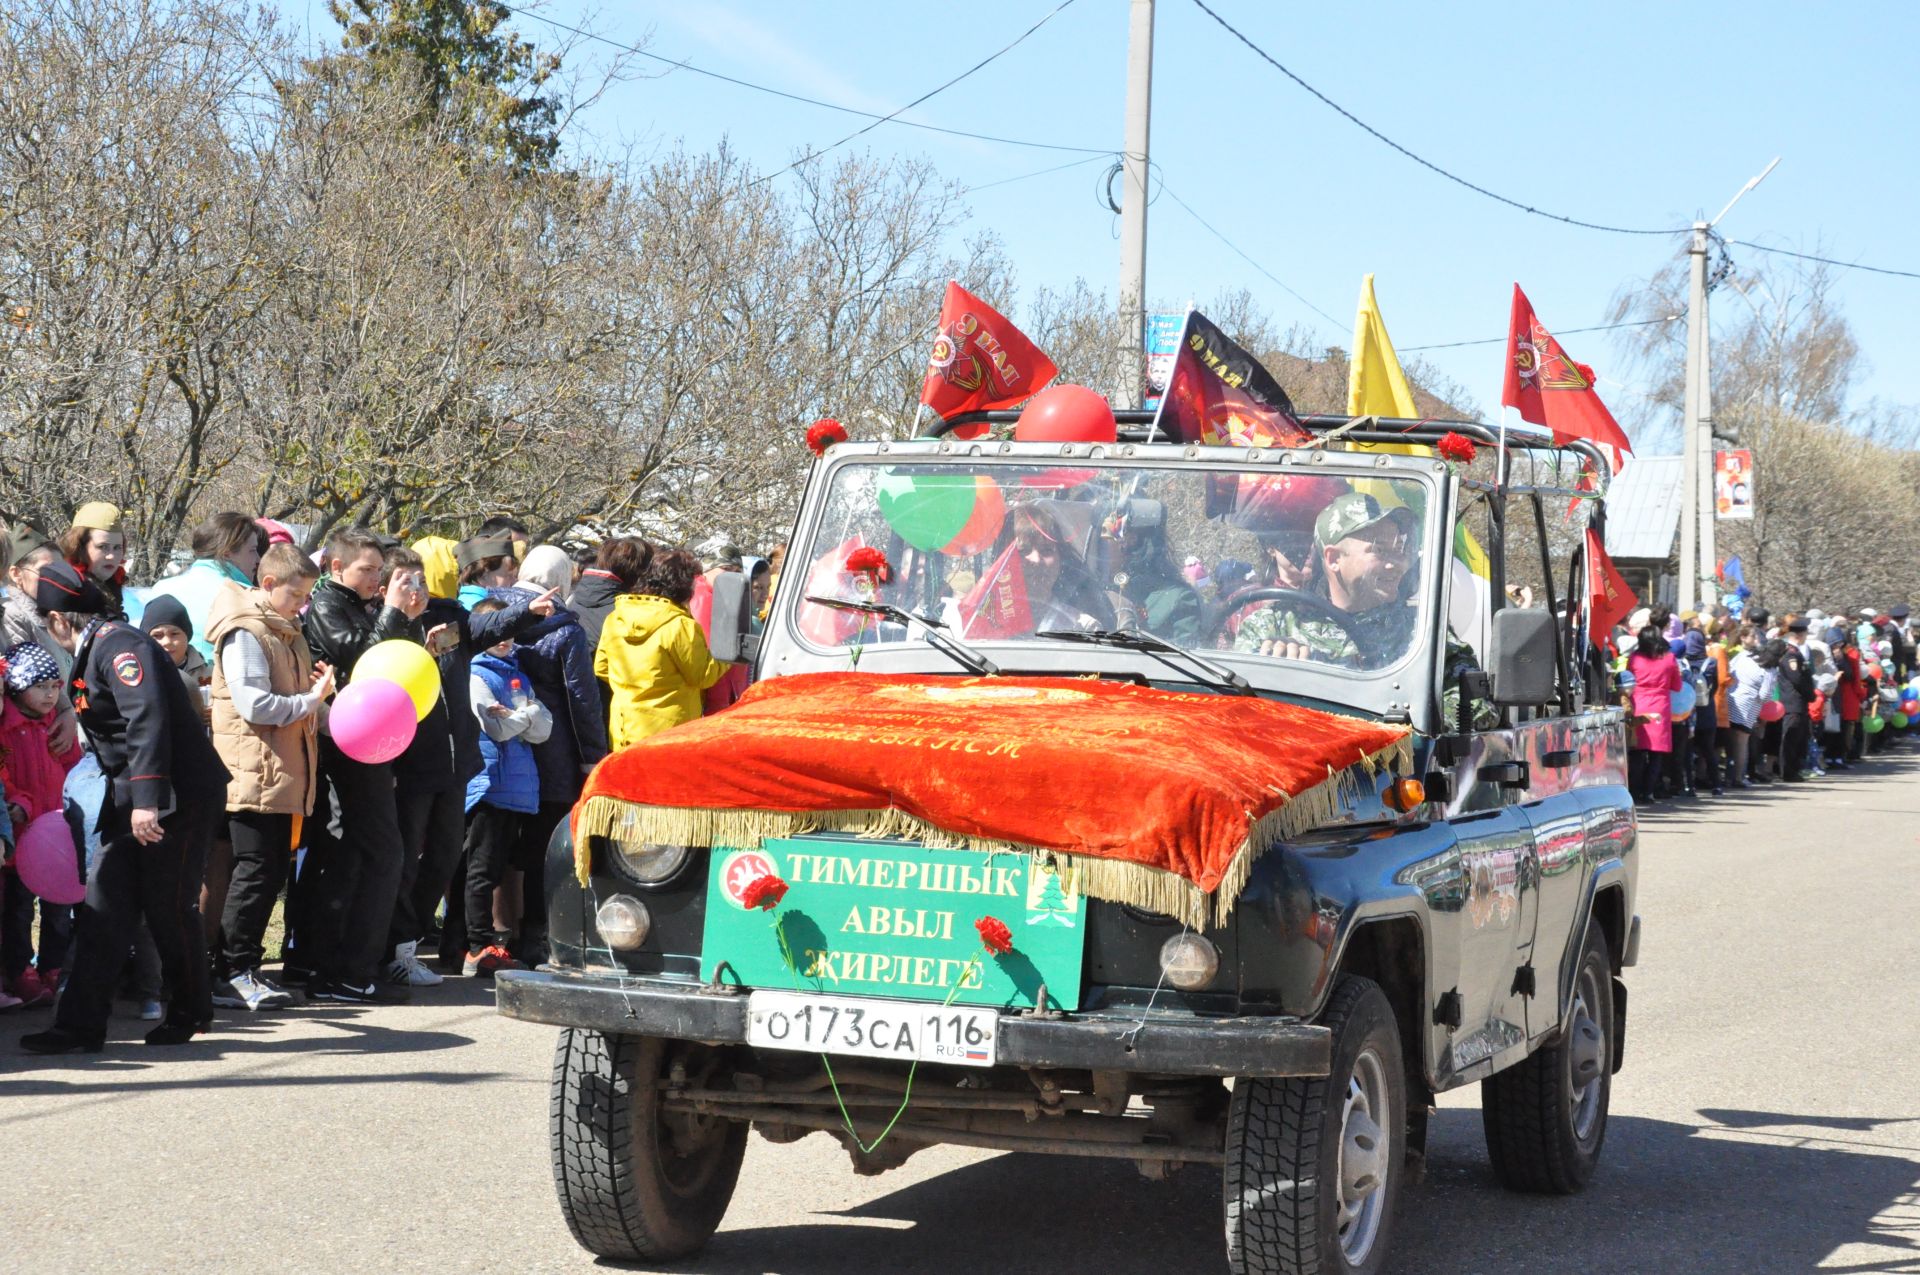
<point>1549,388</point>
<point>1612,599</point>
<point>980,361</point>
<point>997,606</point>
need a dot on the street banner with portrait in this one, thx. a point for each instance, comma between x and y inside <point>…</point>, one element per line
<point>1733,484</point>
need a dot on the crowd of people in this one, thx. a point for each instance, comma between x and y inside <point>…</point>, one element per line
<point>1720,701</point>
<point>177,737</point>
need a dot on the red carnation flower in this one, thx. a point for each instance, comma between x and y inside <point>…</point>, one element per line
<point>1456,447</point>
<point>823,434</point>
<point>868,561</point>
<point>763,892</point>
<point>995,934</point>
<point>1586,370</point>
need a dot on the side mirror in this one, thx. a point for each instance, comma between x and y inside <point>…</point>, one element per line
<point>1521,658</point>
<point>730,640</point>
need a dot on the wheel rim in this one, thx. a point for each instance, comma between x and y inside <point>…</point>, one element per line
<point>1365,1158</point>
<point>1586,1058</point>
<point>689,1149</point>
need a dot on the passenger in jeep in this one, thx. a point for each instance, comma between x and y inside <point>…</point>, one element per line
<point>1061,593</point>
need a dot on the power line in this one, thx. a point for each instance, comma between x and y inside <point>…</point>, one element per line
<point>1057,168</point>
<point>1424,163</point>
<point>1239,252</point>
<point>1497,340</point>
<point>868,128</point>
<point>1827,261</point>
<point>795,97</point>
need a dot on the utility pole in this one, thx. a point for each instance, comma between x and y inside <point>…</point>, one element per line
<point>1697,559</point>
<point>1692,478</point>
<point>1133,206</point>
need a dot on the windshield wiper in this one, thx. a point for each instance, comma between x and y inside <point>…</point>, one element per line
<point>1214,675</point>
<point>961,654</point>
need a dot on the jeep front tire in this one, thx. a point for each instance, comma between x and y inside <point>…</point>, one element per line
<point>636,1183</point>
<point>1313,1166</point>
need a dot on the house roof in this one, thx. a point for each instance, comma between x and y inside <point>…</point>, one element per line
<point>1643,508</point>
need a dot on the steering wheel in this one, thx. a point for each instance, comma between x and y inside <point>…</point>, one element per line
<point>1316,607</point>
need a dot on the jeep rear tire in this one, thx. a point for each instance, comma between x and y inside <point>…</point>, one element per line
<point>1313,1166</point>
<point>1546,1118</point>
<point>636,1183</point>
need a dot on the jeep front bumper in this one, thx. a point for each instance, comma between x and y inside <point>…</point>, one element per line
<point>1164,1044</point>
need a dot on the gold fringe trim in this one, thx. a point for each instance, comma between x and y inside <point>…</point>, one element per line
<point>1115,880</point>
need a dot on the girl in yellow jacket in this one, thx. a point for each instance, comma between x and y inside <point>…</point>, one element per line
<point>653,654</point>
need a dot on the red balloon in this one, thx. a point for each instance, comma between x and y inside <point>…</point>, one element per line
<point>1772,711</point>
<point>1066,414</point>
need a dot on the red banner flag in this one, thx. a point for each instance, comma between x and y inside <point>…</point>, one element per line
<point>980,360</point>
<point>997,606</point>
<point>1550,389</point>
<point>1611,600</point>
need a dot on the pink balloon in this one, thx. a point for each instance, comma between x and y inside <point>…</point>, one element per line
<point>373,721</point>
<point>1772,711</point>
<point>47,862</point>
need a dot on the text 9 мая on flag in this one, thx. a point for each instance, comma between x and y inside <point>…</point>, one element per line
<point>980,361</point>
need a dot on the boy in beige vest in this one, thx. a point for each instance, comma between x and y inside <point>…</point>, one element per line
<point>268,694</point>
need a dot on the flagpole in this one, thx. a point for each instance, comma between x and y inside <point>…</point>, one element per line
<point>918,412</point>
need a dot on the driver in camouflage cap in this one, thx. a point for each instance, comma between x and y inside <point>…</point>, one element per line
<point>1362,554</point>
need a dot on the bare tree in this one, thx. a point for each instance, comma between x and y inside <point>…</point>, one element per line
<point>131,253</point>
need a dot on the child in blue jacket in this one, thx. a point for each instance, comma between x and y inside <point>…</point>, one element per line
<point>503,796</point>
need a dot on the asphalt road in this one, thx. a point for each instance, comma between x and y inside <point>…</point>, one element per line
<point>1768,1118</point>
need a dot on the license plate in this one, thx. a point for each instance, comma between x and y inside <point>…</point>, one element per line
<point>872,1028</point>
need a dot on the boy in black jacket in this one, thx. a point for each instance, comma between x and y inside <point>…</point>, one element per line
<point>351,876</point>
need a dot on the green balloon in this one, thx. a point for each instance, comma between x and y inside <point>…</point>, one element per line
<point>927,510</point>
<point>1873,725</point>
<point>1899,721</point>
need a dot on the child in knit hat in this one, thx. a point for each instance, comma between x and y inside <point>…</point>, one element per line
<point>166,621</point>
<point>34,776</point>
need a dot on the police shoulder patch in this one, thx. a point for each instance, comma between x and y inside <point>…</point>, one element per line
<point>127,667</point>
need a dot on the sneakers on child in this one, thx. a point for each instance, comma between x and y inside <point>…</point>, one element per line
<point>256,993</point>
<point>489,961</point>
<point>344,993</point>
<point>407,970</point>
<point>226,995</point>
<point>153,1011</point>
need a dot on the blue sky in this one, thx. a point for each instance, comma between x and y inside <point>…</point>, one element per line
<point>1632,114</point>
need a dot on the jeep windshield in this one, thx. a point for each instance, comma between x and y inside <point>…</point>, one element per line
<point>1281,565</point>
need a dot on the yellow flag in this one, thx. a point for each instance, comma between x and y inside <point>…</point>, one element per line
<point>1375,384</point>
<point>1377,387</point>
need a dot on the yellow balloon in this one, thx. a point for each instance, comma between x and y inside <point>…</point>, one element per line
<point>408,664</point>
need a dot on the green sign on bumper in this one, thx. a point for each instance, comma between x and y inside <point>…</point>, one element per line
<point>890,918</point>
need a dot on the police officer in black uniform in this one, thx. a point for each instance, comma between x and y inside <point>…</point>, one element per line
<point>165,790</point>
<point>1795,685</point>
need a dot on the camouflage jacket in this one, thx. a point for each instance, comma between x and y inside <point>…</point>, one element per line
<point>1367,639</point>
<point>1372,639</point>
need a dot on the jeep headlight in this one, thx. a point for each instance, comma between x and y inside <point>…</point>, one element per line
<point>650,863</point>
<point>623,922</point>
<point>1189,961</point>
